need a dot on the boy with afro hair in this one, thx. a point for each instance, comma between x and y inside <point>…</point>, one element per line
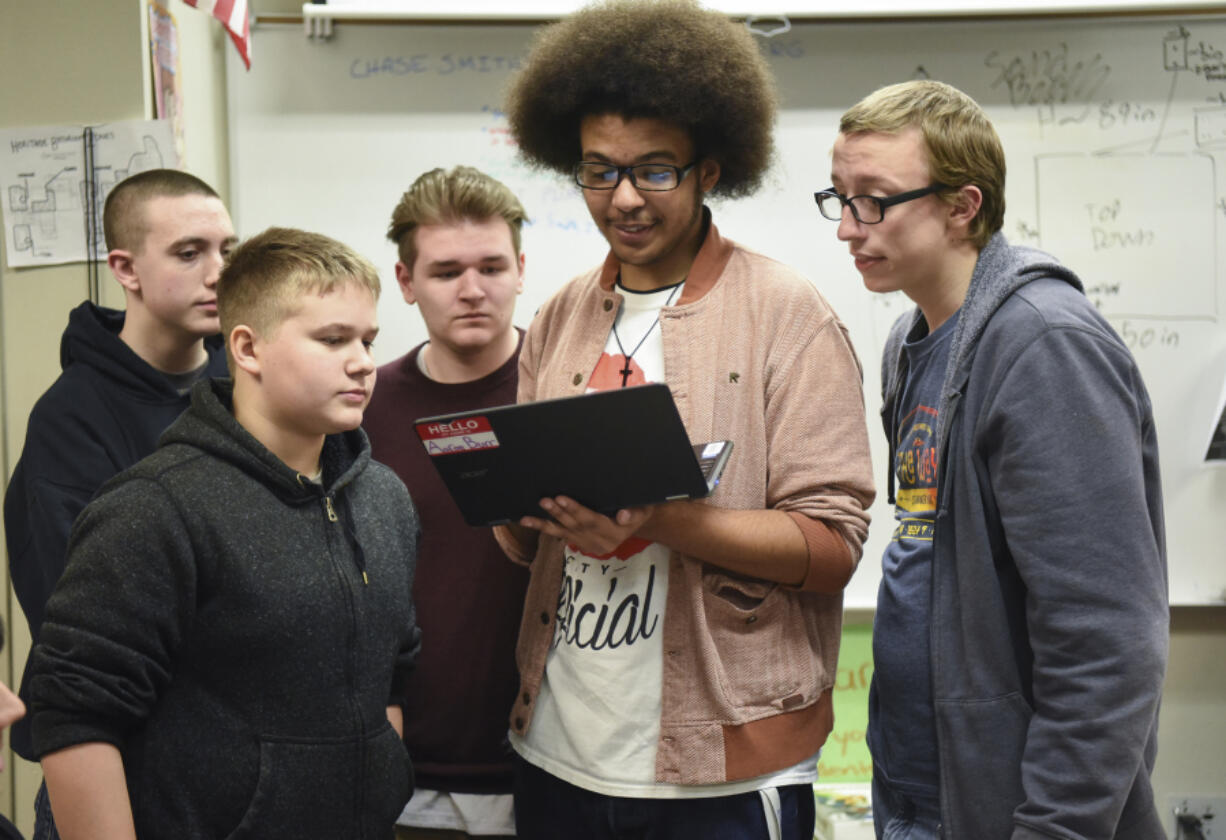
<point>676,661</point>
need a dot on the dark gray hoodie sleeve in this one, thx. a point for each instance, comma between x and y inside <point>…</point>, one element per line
<point>115,621</point>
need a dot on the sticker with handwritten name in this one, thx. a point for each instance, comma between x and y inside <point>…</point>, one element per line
<point>467,434</point>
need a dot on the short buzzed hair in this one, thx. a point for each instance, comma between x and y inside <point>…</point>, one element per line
<point>124,225</point>
<point>265,277</point>
<point>441,197</point>
<point>963,148</point>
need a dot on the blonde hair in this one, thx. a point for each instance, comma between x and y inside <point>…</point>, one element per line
<point>448,197</point>
<point>124,225</point>
<point>266,276</point>
<point>963,147</point>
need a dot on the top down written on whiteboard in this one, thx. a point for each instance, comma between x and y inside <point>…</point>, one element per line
<point>43,182</point>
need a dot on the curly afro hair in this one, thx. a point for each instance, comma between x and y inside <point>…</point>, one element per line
<point>665,59</point>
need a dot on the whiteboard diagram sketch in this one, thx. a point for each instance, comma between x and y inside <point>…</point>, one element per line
<point>1114,133</point>
<point>1123,189</point>
<point>43,182</point>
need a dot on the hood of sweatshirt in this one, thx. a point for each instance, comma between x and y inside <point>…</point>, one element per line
<point>92,338</point>
<point>209,425</point>
<point>1000,271</point>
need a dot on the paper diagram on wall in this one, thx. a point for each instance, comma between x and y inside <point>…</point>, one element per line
<point>1145,203</point>
<point>47,174</point>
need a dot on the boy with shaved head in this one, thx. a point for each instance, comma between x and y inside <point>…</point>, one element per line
<point>126,376</point>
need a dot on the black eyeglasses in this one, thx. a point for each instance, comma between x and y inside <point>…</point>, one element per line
<point>867,209</point>
<point>652,177</point>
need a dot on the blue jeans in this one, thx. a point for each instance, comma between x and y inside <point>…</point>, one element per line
<point>901,816</point>
<point>547,808</point>
<point>44,825</point>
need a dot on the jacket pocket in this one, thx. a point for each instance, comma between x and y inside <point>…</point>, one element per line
<point>390,779</point>
<point>764,656</point>
<point>328,789</point>
<point>981,762</point>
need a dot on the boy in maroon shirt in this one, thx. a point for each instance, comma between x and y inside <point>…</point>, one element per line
<point>458,234</point>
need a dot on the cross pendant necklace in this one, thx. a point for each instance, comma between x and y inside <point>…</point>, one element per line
<point>625,369</point>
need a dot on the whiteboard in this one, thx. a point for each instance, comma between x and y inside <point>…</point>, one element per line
<point>1114,131</point>
<point>541,10</point>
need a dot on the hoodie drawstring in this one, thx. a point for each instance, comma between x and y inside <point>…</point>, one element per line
<point>359,556</point>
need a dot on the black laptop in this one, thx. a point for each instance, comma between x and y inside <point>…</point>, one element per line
<point>608,450</point>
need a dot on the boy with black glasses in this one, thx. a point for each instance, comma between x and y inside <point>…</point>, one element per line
<point>1021,629</point>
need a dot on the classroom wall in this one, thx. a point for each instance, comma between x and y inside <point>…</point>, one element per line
<point>99,74</point>
<point>96,77</point>
<point>76,63</point>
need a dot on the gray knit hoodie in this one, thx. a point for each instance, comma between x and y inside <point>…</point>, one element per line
<point>215,625</point>
<point>1049,585</point>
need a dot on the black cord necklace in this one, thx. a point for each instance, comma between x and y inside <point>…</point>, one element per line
<point>625,370</point>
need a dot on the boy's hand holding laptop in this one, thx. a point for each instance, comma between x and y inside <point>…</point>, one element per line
<point>594,533</point>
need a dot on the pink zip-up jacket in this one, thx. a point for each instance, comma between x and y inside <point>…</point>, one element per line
<point>752,354</point>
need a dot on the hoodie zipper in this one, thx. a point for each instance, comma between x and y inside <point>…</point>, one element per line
<point>359,557</point>
<point>360,562</point>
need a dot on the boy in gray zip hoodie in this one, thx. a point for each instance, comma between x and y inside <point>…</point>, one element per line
<point>226,652</point>
<point>1020,637</point>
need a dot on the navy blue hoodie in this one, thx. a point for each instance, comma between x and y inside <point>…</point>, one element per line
<point>104,413</point>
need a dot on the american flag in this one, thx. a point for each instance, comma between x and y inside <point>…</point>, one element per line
<point>233,16</point>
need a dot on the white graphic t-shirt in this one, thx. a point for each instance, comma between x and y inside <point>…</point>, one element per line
<point>597,716</point>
